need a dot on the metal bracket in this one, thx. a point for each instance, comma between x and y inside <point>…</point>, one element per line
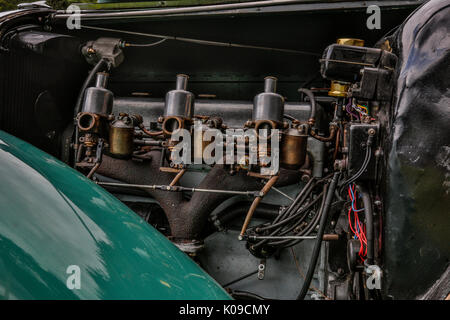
<point>104,48</point>
<point>261,269</point>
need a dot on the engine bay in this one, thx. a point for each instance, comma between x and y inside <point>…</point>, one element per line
<point>209,167</point>
<point>272,178</point>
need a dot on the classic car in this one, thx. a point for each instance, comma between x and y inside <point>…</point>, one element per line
<point>293,149</point>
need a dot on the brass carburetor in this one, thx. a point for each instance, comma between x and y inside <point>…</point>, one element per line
<point>268,113</point>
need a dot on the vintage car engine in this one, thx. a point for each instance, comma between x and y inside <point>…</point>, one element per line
<point>306,157</point>
<point>249,209</point>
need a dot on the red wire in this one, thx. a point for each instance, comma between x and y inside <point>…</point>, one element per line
<point>359,228</point>
<point>350,220</point>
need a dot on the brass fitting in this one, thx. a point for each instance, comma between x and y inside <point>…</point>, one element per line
<point>337,88</point>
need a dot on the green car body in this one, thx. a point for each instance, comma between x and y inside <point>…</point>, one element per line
<point>52,218</point>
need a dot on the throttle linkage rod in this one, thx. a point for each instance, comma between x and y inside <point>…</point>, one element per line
<point>179,188</point>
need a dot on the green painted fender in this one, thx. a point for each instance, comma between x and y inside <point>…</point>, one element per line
<point>52,217</point>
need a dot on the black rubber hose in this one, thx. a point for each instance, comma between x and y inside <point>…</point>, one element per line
<point>278,229</point>
<point>290,218</point>
<point>245,295</point>
<point>308,230</point>
<point>361,170</point>
<point>275,232</point>
<point>312,100</point>
<point>318,244</point>
<point>304,191</point>
<point>240,278</point>
<point>305,232</point>
<point>367,201</point>
<point>241,208</point>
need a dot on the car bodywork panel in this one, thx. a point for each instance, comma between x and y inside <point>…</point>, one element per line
<point>51,217</point>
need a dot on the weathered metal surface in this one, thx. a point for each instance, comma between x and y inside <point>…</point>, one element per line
<point>233,113</point>
<point>187,218</point>
<point>268,105</point>
<point>132,4</point>
<point>52,217</point>
<point>233,73</point>
<point>244,7</point>
<point>293,149</point>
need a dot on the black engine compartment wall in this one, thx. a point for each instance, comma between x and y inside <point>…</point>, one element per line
<point>417,238</point>
<point>40,76</point>
<point>54,64</point>
<point>232,73</point>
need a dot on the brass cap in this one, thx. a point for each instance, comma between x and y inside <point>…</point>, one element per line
<point>350,42</point>
<point>338,89</point>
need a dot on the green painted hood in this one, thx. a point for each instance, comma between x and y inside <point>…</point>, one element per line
<point>52,217</point>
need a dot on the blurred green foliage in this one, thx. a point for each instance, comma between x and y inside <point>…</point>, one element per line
<point>55,4</point>
<point>9,4</point>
